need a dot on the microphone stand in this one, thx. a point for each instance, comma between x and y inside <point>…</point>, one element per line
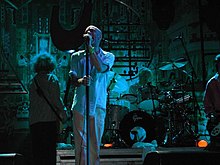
<point>194,76</point>
<point>87,107</point>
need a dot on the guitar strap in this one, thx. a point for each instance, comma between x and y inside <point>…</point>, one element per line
<point>41,94</point>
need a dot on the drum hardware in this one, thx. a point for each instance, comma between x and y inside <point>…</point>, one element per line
<point>165,97</point>
<point>188,129</point>
<point>170,124</point>
<point>178,122</point>
<point>113,137</point>
<point>181,100</point>
<point>187,124</point>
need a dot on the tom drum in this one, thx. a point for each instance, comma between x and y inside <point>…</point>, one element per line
<point>148,99</point>
<point>118,108</point>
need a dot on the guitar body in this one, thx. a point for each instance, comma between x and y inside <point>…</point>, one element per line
<point>216,130</point>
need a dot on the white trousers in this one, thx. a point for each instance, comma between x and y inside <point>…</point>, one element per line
<point>96,127</point>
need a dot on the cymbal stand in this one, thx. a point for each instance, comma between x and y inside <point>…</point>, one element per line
<point>169,136</point>
<point>193,77</point>
<point>166,109</point>
<point>186,127</point>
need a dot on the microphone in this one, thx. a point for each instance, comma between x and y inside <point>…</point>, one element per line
<point>178,37</point>
<point>86,38</point>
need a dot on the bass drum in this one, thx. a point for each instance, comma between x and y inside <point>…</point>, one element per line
<point>139,126</point>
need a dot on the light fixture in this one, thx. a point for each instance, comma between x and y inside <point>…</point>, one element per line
<point>201,143</point>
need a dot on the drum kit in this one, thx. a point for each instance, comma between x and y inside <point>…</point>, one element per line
<point>150,114</point>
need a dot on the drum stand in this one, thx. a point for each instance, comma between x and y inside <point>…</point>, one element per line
<point>173,133</point>
<point>186,127</point>
<point>118,142</point>
<point>115,138</point>
<point>169,135</point>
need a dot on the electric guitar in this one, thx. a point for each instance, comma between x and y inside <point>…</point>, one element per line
<point>216,130</point>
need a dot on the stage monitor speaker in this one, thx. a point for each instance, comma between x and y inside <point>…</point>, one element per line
<point>11,159</point>
<point>182,158</point>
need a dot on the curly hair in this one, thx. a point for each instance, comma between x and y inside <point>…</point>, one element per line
<point>44,63</point>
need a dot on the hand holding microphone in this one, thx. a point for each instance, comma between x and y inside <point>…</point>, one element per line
<point>88,39</point>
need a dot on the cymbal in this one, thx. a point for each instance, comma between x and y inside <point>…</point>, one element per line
<point>132,98</point>
<point>117,83</point>
<point>179,63</point>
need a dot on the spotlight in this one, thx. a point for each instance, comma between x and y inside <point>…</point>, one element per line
<point>201,143</point>
<point>108,145</point>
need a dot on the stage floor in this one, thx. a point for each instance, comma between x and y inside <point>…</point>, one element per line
<point>136,156</point>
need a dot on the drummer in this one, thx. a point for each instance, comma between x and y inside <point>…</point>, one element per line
<point>145,77</point>
<point>144,89</point>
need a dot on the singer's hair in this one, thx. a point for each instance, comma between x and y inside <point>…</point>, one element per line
<point>44,63</point>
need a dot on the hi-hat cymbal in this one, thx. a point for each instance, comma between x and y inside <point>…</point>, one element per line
<point>179,63</point>
<point>117,83</point>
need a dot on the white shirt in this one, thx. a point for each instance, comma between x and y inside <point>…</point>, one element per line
<point>98,86</point>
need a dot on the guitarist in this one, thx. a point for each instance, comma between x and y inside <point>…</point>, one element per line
<point>212,106</point>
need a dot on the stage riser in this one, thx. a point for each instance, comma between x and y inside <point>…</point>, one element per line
<point>110,161</point>
<point>108,157</point>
